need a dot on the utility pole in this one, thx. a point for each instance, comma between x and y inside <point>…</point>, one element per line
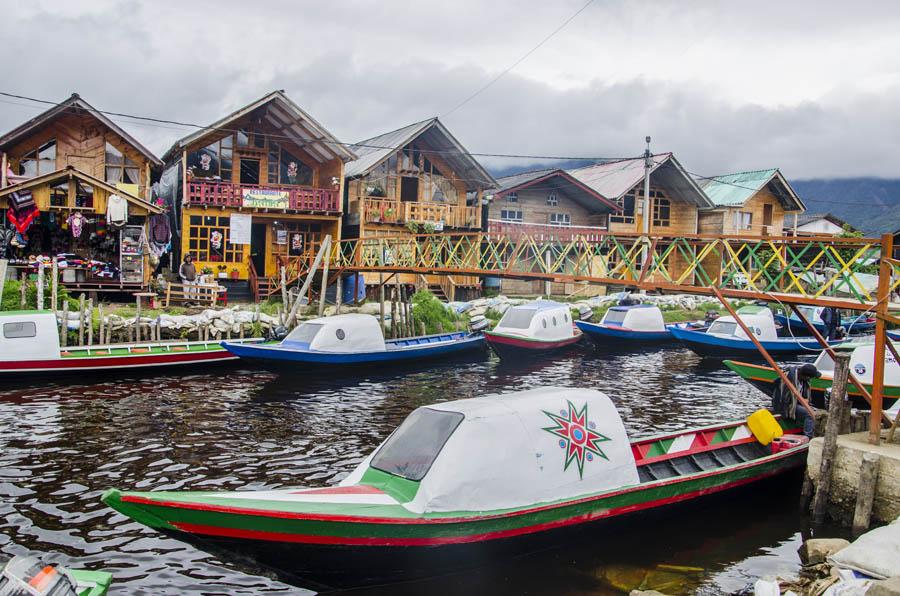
<point>645,220</point>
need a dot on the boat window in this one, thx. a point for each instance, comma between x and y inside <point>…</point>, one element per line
<point>414,446</point>
<point>566,317</point>
<point>305,333</point>
<point>21,329</point>
<point>615,317</point>
<point>340,334</point>
<point>544,321</point>
<point>517,319</point>
<point>723,327</point>
<point>554,321</point>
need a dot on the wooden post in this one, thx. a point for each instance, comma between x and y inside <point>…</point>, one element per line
<point>422,330</point>
<point>137,319</point>
<point>396,299</point>
<point>338,298</point>
<point>832,426</point>
<point>308,283</point>
<point>90,322</point>
<point>54,284</point>
<point>40,286</point>
<point>865,493</point>
<point>101,325</point>
<point>64,328</point>
<point>81,320</point>
<point>4,264</point>
<point>355,288</point>
<point>381,296</point>
<point>325,276</point>
<point>440,327</point>
<point>764,352</point>
<point>158,327</point>
<point>881,309</point>
<point>22,290</point>
<point>284,289</point>
<point>394,315</point>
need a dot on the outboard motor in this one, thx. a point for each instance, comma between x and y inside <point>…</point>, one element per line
<point>585,313</point>
<point>278,333</point>
<point>479,323</point>
<point>29,575</point>
<point>711,316</point>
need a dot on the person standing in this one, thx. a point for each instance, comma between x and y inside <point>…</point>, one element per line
<point>832,319</point>
<point>187,272</point>
<point>784,401</point>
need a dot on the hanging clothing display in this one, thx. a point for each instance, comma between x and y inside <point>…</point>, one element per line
<point>160,235</point>
<point>76,223</point>
<point>23,218</point>
<point>116,211</point>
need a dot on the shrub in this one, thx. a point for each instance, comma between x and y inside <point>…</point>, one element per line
<point>431,311</point>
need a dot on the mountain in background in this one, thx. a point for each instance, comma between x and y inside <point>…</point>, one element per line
<point>871,205</point>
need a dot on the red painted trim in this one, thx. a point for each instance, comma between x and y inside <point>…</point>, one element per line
<point>356,489</point>
<point>445,540</point>
<point>447,520</point>
<point>530,344</point>
<point>112,362</point>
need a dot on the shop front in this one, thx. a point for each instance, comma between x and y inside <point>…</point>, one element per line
<point>97,232</point>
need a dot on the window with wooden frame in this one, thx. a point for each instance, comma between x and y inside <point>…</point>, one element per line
<point>40,161</point>
<point>552,199</point>
<point>120,168</point>
<point>303,240</point>
<point>215,161</point>
<point>743,220</point>
<point>284,168</point>
<point>208,240</point>
<point>512,197</point>
<point>511,215</point>
<point>59,194</point>
<point>662,211</point>
<point>560,219</point>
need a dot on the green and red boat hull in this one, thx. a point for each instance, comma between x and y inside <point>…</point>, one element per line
<point>764,378</point>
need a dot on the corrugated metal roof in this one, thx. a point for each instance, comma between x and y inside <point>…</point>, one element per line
<point>613,179</point>
<point>74,101</point>
<point>435,136</point>
<point>732,190</point>
<point>805,218</point>
<point>514,180</point>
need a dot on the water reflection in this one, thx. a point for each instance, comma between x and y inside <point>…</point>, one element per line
<point>62,444</point>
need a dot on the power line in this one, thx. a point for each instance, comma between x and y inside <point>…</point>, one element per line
<point>520,60</point>
<point>159,122</point>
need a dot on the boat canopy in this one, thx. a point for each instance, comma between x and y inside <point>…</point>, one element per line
<point>762,326</point>
<point>542,319</point>
<point>638,317</point>
<point>756,309</point>
<point>340,333</point>
<point>862,364</point>
<point>510,450</point>
<point>29,335</point>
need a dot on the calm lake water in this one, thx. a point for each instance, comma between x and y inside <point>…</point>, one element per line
<point>63,443</point>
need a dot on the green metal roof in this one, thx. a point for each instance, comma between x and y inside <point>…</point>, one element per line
<point>732,190</point>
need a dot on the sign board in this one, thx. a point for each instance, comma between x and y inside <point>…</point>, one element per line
<point>260,198</point>
<point>239,228</point>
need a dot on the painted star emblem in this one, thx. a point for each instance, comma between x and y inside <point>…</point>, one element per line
<point>576,436</point>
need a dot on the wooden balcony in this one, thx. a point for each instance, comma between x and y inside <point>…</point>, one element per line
<point>211,193</point>
<point>514,229</point>
<point>400,212</point>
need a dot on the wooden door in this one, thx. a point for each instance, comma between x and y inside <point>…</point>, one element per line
<point>767,218</point>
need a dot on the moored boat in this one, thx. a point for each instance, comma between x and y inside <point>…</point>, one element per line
<point>533,328</point>
<point>29,343</point>
<point>813,314</point>
<point>633,323</point>
<point>725,337</point>
<point>862,358</point>
<point>353,339</point>
<point>442,490</point>
<point>33,576</point>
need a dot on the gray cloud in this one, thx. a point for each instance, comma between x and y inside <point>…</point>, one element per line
<point>363,68</point>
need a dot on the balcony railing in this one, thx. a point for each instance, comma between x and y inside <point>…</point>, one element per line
<point>515,229</point>
<point>400,212</point>
<point>273,196</point>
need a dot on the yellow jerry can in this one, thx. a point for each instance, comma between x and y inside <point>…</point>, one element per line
<point>764,426</point>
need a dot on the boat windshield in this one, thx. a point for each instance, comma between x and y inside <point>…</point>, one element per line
<point>614,317</point>
<point>414,446</point>
<point>723,327</point>
<point>517,318</point>
<point>305,333</point>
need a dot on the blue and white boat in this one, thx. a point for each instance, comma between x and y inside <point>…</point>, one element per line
<point>725,337</point>
<point>813,314</point>
<point>354,339</point>
<point>633,323</point>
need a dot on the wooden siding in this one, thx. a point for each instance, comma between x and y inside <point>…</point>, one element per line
<point>81,142</point>
<point>756,206</point>
<point>532,202</point>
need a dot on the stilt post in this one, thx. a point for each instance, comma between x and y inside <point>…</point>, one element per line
<point>881,309</point>
<point>865,494</point>
<point>832,427</point>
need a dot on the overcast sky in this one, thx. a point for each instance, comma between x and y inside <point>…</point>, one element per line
<point>812,87</point>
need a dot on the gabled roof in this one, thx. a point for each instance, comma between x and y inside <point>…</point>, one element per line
<point>805,218</point>
<point>612,179</point>
<point>72,172</point>
<point>435,136</point>
<point>282,113</point>
<point>556,179</point>
<point>73,104</point>
<point>733,190</point>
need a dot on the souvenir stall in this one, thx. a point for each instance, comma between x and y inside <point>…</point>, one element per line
<point>104,238</point>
